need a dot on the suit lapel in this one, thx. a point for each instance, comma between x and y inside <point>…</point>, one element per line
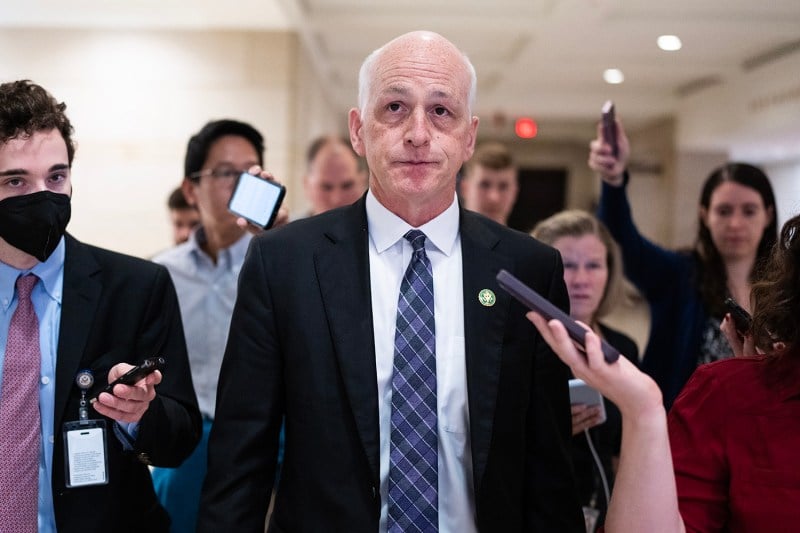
<point>79,304</point>
<point>484,327</point>
<point>342,269</point>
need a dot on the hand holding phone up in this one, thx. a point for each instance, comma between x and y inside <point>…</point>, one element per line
<point>608,153</point>
<point>257,199</point>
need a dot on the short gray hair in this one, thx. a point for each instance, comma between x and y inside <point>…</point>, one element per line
<point>365,74</point>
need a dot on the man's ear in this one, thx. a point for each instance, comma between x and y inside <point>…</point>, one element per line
<point>188,192</point>
<point>471,138</point>
<point>355,124</point>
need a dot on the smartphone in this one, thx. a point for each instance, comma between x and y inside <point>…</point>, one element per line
<point>581,393</point>
<point>256,200</point>
<point>608,120</point>
<point>536,302</point>
<point>133,375</point>
<point>742,320</point>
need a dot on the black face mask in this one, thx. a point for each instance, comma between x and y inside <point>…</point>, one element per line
<point>35,223</point>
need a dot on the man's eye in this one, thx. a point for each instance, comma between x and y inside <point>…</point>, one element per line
<point>440,111</point>
<point>394,106</point>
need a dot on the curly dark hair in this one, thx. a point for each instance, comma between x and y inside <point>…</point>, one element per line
<point>776,294</point>
<point>27,108</point>
<point>712,279</point>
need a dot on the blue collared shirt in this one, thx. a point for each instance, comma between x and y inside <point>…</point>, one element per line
<point>46,298</point>
<point>206,295</point>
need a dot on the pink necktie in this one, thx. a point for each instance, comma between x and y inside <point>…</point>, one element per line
<point>20,422</point>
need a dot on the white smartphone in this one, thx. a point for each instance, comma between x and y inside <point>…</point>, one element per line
<point>581,393</point>
<point>257,200</point>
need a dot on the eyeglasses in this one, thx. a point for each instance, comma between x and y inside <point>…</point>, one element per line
<point>220,173</point>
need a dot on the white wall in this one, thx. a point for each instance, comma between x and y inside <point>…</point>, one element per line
<point>135,98</point>
<point>785,178</point>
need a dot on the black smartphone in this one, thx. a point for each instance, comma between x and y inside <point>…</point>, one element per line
<point>256,200</point>
<point>536,302</point>
<point>742,320</point>
<point>609,122</point>
<point>133,375</point>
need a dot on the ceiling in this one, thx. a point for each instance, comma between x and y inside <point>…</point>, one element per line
<point>543,58</point>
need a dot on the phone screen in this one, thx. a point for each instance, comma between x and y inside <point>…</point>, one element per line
<point>256,199</point>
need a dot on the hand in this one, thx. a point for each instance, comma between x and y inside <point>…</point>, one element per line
<point>129,402</point>
<point>634,392</point>
<point>601,160</point>
<point>281,218</point>
<point>741,347</point>
<point>584,417</point>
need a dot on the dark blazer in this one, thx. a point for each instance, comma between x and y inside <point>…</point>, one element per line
<point>116,309</point>
<point>301,346</point>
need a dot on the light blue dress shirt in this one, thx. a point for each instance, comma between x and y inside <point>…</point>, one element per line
<point>46,297</point>
<point>206,295</point>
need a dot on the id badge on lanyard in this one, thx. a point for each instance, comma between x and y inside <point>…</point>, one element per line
<point>85,443</point>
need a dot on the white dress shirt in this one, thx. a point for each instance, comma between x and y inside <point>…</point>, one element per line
<point>389,256</point>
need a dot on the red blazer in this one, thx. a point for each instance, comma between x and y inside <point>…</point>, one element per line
<point>735,437</point>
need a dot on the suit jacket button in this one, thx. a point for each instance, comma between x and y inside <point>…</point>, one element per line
<point>144,458</point>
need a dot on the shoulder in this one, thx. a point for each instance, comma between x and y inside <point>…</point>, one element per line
<point>736,382</point>
<point>336,224</point>
<point>173,255</point>
<point>112,264</point>
<point>474,225</point>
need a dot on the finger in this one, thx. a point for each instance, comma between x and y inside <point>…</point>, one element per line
<point>734,340</point>
<point>594,351</point>
<point>577,408</point>
<point>153,379</point>
<point>120,415</point>
<point>555,335</point>
<point>282,218</point>
<point>749,346</point>
<point>120,409</point>
<point>255,170</point>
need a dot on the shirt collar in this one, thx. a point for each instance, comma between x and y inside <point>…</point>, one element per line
<point>234,253</point>
<point>386,228</point>
<point>49,272</point>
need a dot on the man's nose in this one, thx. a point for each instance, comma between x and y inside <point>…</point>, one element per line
<point>418,132</point>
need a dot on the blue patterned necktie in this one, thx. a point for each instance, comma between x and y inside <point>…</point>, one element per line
<point>413,462</point>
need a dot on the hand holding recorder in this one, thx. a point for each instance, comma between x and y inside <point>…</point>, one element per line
<point>131,402</point>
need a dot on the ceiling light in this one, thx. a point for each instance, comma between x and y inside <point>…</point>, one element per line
<point>613,76</point>
<point>670,43</point>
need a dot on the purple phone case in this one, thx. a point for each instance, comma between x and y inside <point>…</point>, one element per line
<point>536,302</point>
<point>610,127</point>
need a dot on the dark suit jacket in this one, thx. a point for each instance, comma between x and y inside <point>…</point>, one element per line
<point>116,309</point>
<point>301,346</point>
